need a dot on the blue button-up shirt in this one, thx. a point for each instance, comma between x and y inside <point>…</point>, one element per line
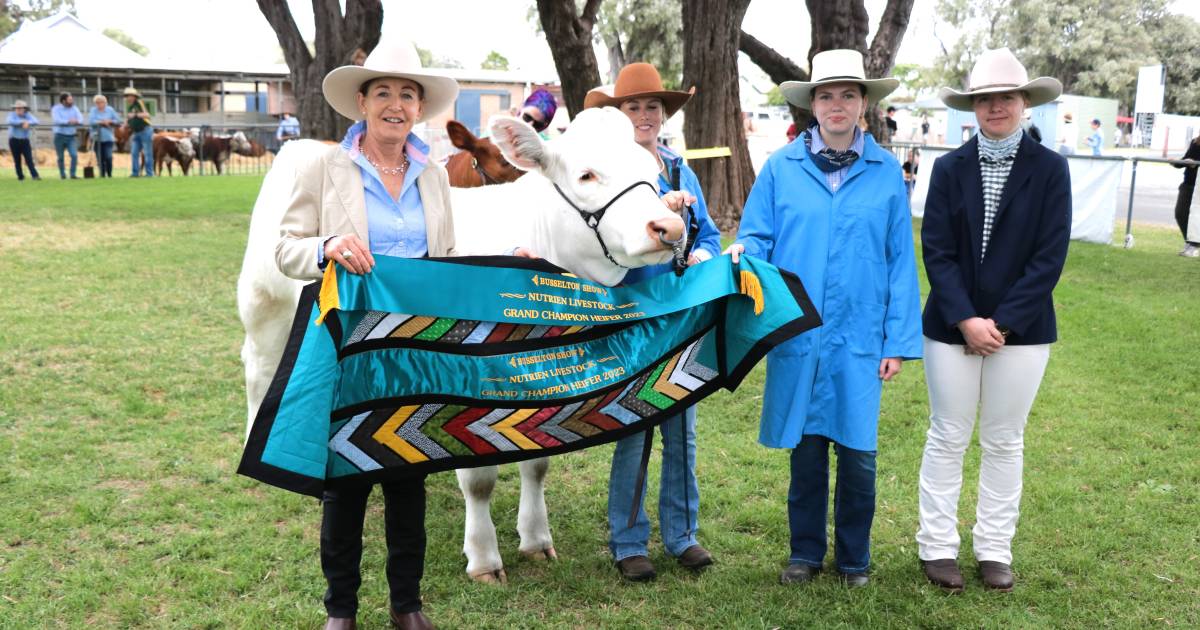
<point>62,117</point>
<point>835,178</point>
<point>14,125</point>
<point>395,227</point>
<point>100,133</point>
<point>289,126</point>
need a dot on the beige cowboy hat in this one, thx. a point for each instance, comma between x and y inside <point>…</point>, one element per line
<point>638,80</point>
<point>20,105</point>
<point>836,66</point>
<point>394,58</point>
<point>131,91</point>
<point>1000,71</point>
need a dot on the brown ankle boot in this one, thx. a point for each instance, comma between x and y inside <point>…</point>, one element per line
<point>997,576</point>
<point>944,573</point>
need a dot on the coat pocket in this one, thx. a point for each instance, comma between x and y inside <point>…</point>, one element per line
<point>866,337</point>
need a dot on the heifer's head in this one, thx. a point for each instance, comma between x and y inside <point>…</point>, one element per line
<point>238,143</point>
<point>481,164</point>
<point>610,218</point>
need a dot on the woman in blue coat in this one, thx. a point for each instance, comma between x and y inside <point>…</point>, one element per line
<point>832,208</point>
<point>639,94</point>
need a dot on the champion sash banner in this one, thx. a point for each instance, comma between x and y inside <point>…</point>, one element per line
<point>426,365</point>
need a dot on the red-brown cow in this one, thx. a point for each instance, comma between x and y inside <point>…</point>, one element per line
<point>170,148</point>
<point>479,163</point>
<point>216,149</point>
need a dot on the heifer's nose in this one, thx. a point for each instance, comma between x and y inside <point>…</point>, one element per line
<point>666,229</point>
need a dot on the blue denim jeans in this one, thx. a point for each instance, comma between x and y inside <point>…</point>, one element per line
<point>104,152</point>
<point>22,150</point>
<point>853,504</point>
<point>142,145</point>
<point>64,142</point>
<point>677,513</point>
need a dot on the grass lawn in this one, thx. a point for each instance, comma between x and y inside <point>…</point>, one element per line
<point>122,415</point>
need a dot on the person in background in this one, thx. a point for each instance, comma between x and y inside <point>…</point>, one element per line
<point>538,110</point>
<point>910,168</point>
<point>924,129</point>
<point>831,207</point>
<point>892,126</point>
<point>989,319</point>
<point>66,118</point>
<point>640,95</point>
<point>1068,135</point>
<point>289,126</point>
<point>142,145</point>
<point>20,123</point>
<point>1096,139</point>
<point>1183,203</point>
<point>103,119</point>
<point>375,193</point>
<point>1118,135</point>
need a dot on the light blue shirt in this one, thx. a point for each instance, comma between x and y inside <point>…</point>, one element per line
<point>101,133</point>
<point>14,125</point>
<point>835,178</point>
<point>1096,140</point>
<point>62,117</point>
<point>395,227</point>
<point>288,126</point>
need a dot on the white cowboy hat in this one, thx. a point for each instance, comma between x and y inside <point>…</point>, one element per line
<point>836,66</point>
<point>1000,71</point>
<point>391,58</point>
<point>131,91</point>
<point>20,104</point>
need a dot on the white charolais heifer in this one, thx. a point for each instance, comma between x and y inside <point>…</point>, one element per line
<point>594,166</point>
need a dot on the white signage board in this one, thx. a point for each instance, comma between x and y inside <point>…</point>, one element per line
<point>1151,85</point>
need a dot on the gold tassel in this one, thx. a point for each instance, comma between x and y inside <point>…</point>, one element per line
<point>327,299</point>
<point>752,287</point>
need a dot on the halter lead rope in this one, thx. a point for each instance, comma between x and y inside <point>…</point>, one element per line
<point>592,219</point>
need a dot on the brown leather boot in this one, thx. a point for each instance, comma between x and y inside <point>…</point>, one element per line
<point>339,623</point>
<point>695,558</point>
<point>410,621</point>
<point>997,576</point>
<point>944,573</point>
<point>636,569</point>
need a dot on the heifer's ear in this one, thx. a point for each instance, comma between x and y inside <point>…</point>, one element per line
<point>520,144</point>
<point>459,136</point>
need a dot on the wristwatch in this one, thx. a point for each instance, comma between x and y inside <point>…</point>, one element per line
<point>1005,331</point>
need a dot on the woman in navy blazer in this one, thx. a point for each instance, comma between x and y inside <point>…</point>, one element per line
<point>997,223</point>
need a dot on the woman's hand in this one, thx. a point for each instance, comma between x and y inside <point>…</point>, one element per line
<point>889,367</point>
<point>525,252</point>
<point>735,250</point>
<point>350,252</point>
<point>981,335</point>
<point>677,200</point>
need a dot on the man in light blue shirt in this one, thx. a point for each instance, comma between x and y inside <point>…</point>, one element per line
<point>1096,140</point>
<point>20,123</point>
<point>66,118</point>
<point>289,128</point>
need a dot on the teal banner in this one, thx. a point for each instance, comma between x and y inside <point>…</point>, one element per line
<point>425,365</point>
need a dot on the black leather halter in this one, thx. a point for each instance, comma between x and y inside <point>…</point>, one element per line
<point>592,219</point>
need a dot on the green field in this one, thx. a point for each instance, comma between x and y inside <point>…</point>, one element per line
<point>122,415</point>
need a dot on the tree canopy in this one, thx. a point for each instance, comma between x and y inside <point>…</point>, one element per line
<point>643,30</point>
<point>123,38</point>
<point>1093,46</point>
<point>12,14</point>
<point>495,61</point>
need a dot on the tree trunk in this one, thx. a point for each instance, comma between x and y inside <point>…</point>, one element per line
<point>841,25</point>
<point>711,31</point>
<point>337,38</point>
<point>569,35</point>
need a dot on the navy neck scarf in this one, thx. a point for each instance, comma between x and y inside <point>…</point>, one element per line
<point>827,159</point>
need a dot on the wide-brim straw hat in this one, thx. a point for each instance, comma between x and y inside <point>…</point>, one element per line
<point>131,91</point>
<point>836,66</point>
<point>20,105</point>
<point>638,80</point>
<point>392,58</point>
<point>1000,71</point>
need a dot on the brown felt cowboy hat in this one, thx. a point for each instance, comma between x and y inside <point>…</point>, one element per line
<point>638,80</point>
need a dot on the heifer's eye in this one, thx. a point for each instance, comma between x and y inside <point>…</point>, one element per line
<point>587,176</point>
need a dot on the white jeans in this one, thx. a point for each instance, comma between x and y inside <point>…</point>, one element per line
<point>1001,387</point>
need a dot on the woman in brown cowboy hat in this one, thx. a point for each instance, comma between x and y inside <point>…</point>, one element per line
<point>997,223</point>
<point>639,93</point>
<point>375,193</point>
